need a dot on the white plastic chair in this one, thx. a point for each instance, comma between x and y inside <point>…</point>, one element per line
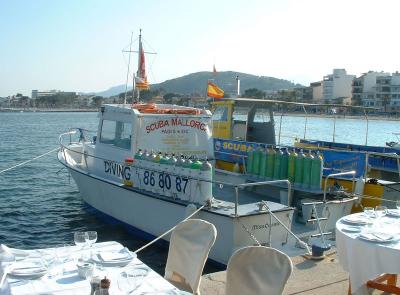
<point>189,246</point>
<point>257,270</point>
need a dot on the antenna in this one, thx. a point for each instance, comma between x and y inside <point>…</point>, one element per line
<point>127,73</point>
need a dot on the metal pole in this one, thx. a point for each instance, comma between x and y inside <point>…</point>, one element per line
<point>236,200</point>
<point>366,135</point>
<point>280,128</point>
<point>127,73</point>
<point>334,128</point>
<point>305,124</point>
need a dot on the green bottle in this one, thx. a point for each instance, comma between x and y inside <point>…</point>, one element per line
<point>316,171</point>
<point>284,164</point>
<point>292,165</point>
<point>249,167</point>
<point>298,174</point>
<point>308,158</point>
<point>263,163</point>
<point>256,161</point>
<point>270,162</point>
<point>277,164</point>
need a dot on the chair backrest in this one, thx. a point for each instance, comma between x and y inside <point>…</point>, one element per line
<point>189,246</point>
<point>257,270</point>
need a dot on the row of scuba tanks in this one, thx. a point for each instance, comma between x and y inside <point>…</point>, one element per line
<point>172,176</point>
<point>302,169</point>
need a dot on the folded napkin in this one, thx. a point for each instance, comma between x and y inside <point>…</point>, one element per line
<point>27,268</point>
<point>377,237</point>
<point>121,255</point>
<point>355,218</point>
<point>393,212</point>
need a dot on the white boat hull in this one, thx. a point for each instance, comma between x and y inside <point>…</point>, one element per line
<point>154,215</point>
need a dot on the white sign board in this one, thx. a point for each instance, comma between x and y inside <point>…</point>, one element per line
<point>187,135</point>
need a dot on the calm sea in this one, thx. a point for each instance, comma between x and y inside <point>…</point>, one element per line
<point>41,206</point>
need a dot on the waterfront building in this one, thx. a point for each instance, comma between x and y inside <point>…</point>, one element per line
<point>316,91</point>
<point>388,92</point>
<point>36,93</point>
<point>337,87</point>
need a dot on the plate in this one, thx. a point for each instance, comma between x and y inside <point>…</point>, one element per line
<point>28,270</point>
<point>113,258</point>
<point>351,229</point>
<point>356,219</point>
<point>378,237</point>
<point>393,212</point>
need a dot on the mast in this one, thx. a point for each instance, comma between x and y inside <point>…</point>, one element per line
<point>140,78</point>
<point>127,73</point>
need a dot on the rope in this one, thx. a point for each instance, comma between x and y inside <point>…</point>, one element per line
<point>250,234</point>
<point>168,231</point>
<point>23,163</point>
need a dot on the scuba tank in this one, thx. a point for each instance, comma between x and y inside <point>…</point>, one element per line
<point>298,174</point>
<point>270,162</point>
<point>277,164</point>
<point>284,164</point>
<point>308,158</point>
<point>316,171</point>
<point>292,165</point>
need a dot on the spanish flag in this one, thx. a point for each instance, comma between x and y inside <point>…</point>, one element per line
<point>214,91</point>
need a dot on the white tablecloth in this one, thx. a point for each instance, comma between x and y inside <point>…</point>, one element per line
<point>366,260</point>
<point>70,283</point>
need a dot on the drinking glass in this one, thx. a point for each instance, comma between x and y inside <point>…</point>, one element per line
<point>92,237</point>
<point>370,213</point>
<point>380,211</point>
<point>80,239</point>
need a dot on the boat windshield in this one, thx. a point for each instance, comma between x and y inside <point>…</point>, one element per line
<point>220,114</point>
<point>262,115</point>
<point>116,133</point>
<point>240,114</point>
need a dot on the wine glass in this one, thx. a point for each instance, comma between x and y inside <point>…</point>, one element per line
<point>380,211</point>
<point>369,212</point>
<point>92,237</point>
<point>80,239</point>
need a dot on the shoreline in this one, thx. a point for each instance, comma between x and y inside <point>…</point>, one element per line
<point>276,114</point>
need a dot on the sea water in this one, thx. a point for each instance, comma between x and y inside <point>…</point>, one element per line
<point>40,203</point>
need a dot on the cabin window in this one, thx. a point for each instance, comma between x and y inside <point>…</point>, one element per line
<point>116,133</point>
<point>240,114</point>
<point>262,116</point>
<point>220,114</point>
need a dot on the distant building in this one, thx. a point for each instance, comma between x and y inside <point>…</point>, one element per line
<point>388,91</point>
<point>364,89</point>
<point>316,91</point>
<point>303,94</point>
<point>337,87</point>
<point>37,94</point>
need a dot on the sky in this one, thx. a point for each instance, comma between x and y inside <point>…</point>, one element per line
<point>76,45</point>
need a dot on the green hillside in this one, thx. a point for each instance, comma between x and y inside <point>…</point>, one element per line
<point>196,83</point>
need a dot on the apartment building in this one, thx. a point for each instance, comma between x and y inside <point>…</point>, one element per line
<point>337,87</point>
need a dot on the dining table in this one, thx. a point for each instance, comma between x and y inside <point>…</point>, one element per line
<point>63,271</point>
<point>368,247</point>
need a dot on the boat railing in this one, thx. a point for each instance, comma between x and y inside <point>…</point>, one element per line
<point>82,133</point>
<point>335,175</point>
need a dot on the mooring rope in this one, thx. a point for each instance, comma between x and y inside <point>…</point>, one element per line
<point>26,162</point>
<point>168,231</point>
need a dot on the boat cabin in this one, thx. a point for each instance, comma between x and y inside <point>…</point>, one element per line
<point>243,119</point>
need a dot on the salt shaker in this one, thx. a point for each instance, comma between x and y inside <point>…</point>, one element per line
<point>94,285</point>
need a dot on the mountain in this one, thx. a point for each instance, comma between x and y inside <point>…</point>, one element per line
<point>113,91</point>
<point>196,83</point>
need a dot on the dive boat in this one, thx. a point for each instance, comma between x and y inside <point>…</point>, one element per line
<point>150,166</point>
<point>245,133</point>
